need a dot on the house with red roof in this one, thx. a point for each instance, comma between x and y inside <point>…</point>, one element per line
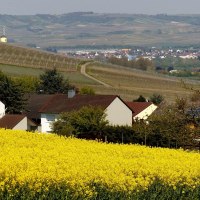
<point>14,121</point>
<point>45,109</point>
<point>141,110</point>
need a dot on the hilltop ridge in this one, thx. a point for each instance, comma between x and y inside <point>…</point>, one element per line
<point>83,29</point>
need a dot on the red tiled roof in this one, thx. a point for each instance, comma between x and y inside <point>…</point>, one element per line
<point>10,121</point>
<point>61,103</point>
<point>138,107</point>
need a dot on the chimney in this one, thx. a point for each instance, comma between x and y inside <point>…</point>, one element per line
<point>71,93</point>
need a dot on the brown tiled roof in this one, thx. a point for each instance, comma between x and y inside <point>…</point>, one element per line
<point>61,103</point>
<point>138,107</point>
<point>10,121</point>
<point>35,102</point>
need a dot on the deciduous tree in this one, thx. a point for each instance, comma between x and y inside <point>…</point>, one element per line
<point>87,122</point>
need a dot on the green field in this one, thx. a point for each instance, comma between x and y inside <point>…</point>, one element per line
<point>127,83</point>
<point>75,77</point>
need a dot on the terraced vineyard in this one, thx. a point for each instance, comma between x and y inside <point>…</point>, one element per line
<point>20,56</point>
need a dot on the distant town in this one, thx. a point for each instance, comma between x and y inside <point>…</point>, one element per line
<point>180,62</point>
<point>132,54</point>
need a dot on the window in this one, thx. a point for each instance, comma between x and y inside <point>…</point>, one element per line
<point>50,118</point>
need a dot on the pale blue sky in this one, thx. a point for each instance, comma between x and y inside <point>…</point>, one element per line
<point>20,7</point>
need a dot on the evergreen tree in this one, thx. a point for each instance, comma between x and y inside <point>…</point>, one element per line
<point>52,82</point>
<point>140,99</point>
<point>11,95</point>
<point>156,98</point>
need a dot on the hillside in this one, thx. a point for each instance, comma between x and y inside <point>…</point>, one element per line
<point>88,29</point>
<point>126,82</point>
<point>131,83</point>
<point>27,57</point>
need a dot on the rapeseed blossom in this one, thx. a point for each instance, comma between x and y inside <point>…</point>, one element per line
<point>41,161</point>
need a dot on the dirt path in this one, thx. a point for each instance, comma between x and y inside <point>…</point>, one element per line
<point>83,71</point>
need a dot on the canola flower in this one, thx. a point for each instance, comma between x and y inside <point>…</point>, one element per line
<point>41,163</point>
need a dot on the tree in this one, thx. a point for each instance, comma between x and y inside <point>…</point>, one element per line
<point>144,64</point>
<point>11,95</point>
<point>140,99</point>
<point>156,98</point>
<point>28,84</point>
<point>143,129</point>
<point>87,90</point>
<point>52,82</point>
<point>64,125</point>
<point>172,123</point>
<point>88,122</point>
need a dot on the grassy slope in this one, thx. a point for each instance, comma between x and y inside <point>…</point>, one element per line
<point>132,83</point>
<point>75,77</point>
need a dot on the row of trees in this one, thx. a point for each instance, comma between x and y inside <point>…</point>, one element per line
<point>175,125</point>
<point>154,98</point>
<point>141,63</point>
<point>172,126</point>
<point>177,63</point>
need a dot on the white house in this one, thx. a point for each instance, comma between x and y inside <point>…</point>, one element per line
<point>45,109</point>
<point>3,39</point>
<point>113,105</point>
<point>141,110</point>
<point>13,121</point>
<point>117,112</point>
<point>47,121</point>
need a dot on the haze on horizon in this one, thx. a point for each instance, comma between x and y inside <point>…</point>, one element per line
<point>30,7</point>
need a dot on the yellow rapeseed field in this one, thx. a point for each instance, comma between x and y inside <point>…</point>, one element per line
<point>41,160</point>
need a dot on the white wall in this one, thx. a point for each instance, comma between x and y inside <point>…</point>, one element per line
<point>146,113</point>
<point>2,109</point>
<point>22,125</point>
<point>3,39</point>
<point>47,121</point>
<point>118,113</point>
